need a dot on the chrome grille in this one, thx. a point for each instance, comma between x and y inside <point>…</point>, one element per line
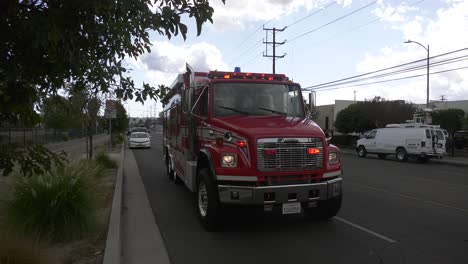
<point>291,154</point>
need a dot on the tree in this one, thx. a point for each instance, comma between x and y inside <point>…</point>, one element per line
<point>46,44</point>
<point>120,123</point>
<point>56,111</point>
<point>367,115</point>
<point>86,106</point>
<point>451,120</point>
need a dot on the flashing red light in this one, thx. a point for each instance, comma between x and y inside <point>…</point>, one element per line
<point>313,151</point>
<point>241,143</point>
<point>270,78</point>
<point>227,76</point>
<point>248,74</point>
<point>269,152</point>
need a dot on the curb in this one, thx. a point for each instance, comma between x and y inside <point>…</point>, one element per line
<point>443,161</point>
<point>113,250</point>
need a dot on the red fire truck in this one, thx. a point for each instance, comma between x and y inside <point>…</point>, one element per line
<point>246,139</point>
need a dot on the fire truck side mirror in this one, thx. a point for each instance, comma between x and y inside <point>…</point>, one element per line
<point>328,137</point>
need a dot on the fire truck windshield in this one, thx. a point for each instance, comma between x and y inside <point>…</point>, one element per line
<point>259,99</point>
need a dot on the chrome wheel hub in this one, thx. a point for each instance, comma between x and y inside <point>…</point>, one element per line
<point>202,199</point>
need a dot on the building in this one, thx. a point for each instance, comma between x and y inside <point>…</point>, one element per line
<point>444,105</point>
<point>326,114</point>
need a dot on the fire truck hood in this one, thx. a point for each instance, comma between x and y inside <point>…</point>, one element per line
<point>270,126</point>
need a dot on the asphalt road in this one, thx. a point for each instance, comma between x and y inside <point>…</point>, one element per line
<point>392,213</point>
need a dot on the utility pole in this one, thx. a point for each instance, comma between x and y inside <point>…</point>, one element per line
<point>273,44</point>
<point>442,98</point>
<point>354,95</point>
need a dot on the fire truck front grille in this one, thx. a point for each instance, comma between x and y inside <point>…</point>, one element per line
<point>285,154</point>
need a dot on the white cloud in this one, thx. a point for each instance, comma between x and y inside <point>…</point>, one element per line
<point>167,60</point>
<point>389,13</point>
<point>444,34</point>
<point>239,13</point>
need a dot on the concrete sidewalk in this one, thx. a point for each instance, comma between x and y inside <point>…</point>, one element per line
<point>141,240</point>
<point>456,161</point>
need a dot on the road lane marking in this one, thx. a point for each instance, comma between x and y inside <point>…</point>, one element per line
<point>365,230</point>
<point>409,197</point>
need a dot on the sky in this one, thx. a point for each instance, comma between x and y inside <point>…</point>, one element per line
<point>324,41</point>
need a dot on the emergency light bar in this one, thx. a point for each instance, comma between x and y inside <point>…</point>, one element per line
<point>247,75</point>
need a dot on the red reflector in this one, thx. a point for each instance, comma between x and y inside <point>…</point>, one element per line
<point>227,76</point>
<point>313,151</point>
<point>241,143</point>
<point>269,152</point>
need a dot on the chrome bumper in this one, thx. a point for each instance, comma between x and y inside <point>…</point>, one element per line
<point>283,193</point>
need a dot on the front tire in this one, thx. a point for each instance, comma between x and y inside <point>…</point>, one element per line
<point>362,152</point>
<point>170,172</point>
<point>325,209</point>
<point>401,155</point>
<point>208,205</point>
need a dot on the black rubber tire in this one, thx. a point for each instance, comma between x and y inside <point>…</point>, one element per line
<point>209,219</point>
<point>170,173</point>
<point>381,156</point>
<point>325,209</point>
<point>401,155</point>
<point>362,152</point>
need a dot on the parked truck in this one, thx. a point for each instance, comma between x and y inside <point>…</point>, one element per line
<point>246,139</point>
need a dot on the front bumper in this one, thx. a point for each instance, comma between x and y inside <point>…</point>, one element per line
<point>140,145</point>
<point>280,194</point>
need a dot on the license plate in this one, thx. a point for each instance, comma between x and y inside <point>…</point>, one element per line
<point>291,208</point>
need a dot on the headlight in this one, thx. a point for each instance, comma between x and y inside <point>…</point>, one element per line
<point>228,160</point>
<point>333,157</point>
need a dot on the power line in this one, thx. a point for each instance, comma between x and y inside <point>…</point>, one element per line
<point>257,30</point>
<point>247,50</point>
<point>256,56</point>
<point>396,79</point>
<point>311,14</point>
<point>411,69</point>
<point>334,21</point>
<point>385,69</point>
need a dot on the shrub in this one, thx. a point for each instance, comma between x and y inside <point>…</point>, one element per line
<point>57,206</point>
<point>105,162</point>
<point>14,250</point>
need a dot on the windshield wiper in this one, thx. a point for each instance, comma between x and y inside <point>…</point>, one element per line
<point>273,111</point>
<point>234,110</point>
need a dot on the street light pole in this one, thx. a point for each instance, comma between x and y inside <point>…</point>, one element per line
<point>427,75</point>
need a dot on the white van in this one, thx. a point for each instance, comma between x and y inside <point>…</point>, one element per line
<point>404,142</point>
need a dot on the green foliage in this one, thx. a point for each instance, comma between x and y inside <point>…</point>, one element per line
<point>56,112</point>
<point>15,250</point>
<point>120,124</point>
<point>367,115</point>
<point>48,43</point>
<point>105,162</point>
<point>56,206</point>
<point>32,160</point>
<point>450,119</point>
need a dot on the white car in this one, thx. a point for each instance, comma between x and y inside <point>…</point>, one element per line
<point>139,140</point>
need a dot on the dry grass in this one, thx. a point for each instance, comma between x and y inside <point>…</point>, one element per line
<point>16,250</point>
